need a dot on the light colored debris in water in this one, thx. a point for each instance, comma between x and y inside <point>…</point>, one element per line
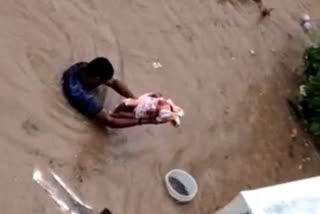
<point>156,65</point>
<point>252,52</point>
<point>300,167</point>
<point>293,134</point>
<point>306,23</point>
<point>307,159</point>
<point>306,18</point>
<point>302,90</point>
<point>307,26</point>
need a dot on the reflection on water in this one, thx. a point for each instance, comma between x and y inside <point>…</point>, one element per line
<point>60,193</point>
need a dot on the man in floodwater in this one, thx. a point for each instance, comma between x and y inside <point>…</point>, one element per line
<point>80,79</point>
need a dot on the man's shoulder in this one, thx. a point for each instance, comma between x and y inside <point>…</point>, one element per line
<point>79,98</point>
<point>70,74</point>
<point>70,82</point>
<point>77,66</point>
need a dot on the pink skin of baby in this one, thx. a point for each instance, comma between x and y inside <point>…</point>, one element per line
<point>150,106</point>
<point>127,111</point>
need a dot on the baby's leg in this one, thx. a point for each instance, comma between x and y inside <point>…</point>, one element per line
<point>123,114</point>
<point>122,107</point>
<point>123,111</point>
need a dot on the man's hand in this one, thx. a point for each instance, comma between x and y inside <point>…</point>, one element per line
<point>120,87</point>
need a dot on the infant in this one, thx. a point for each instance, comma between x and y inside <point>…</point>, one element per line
<point>150,105</point>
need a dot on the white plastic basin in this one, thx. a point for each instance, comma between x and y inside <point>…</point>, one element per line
<point>186,180</point>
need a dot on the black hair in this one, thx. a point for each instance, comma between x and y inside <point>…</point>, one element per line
<point>99,67</point>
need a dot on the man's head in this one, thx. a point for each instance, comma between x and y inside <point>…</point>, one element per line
<point>98,71</point>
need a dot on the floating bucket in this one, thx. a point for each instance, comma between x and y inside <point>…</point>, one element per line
<point>181,185</point>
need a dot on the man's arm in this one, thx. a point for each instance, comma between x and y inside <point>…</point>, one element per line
<point>103,118</point>
<point>120,87</point>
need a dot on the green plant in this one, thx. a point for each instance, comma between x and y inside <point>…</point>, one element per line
<point>309,96</point>
<point>312,61</point>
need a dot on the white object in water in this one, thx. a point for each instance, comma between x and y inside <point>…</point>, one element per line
<point>186,180</point>
<point>252,52</point>
<point>306,18</point>
<point>156,65</point>
<point>307,26</point>
<point>302,90</point>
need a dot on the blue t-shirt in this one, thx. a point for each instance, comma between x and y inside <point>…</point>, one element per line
<point>81,99</point>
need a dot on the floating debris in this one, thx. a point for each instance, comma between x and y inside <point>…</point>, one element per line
<point>307,26</point>
<point>302,90</point>
<point>293,134</point>
<point>266,12</point>
<point>157,65</point>
<point>306,23</point>
<point>306,18</point>
<point>252,52</point>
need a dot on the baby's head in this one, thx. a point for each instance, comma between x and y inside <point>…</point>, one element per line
<point>168,111</point>
<point>163,105</point>
<point>165,110</point>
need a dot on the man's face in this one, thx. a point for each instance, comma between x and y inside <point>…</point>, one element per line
<point>94,81</point>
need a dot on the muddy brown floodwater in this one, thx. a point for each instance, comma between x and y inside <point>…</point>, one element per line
<point>236,132</point>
